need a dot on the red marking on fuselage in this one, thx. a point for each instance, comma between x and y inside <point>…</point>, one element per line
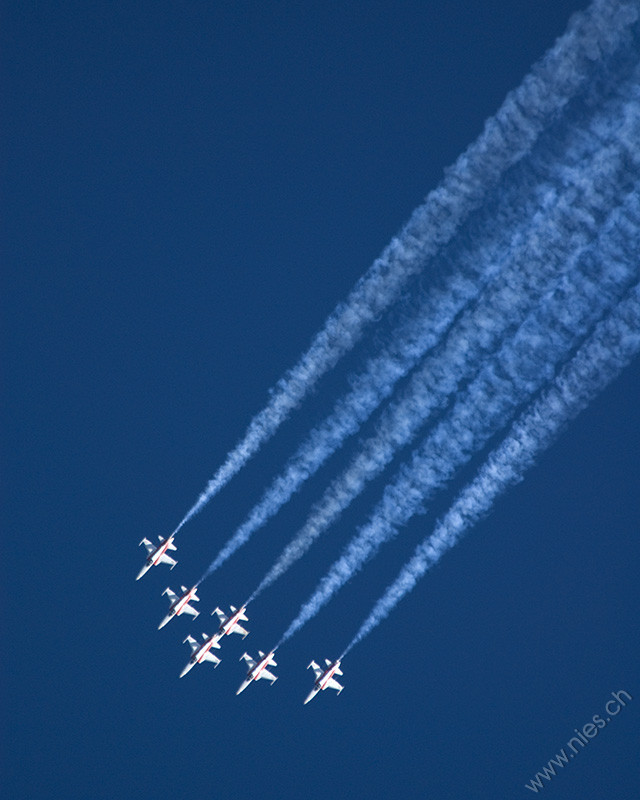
<point>160,551</point>
<point>227,627</point>
<point>260,668</point>
<point>181,602</point>
<point>324,680</point>
<point>205,649</point>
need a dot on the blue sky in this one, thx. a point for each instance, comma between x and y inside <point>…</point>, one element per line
<point>189,191</point>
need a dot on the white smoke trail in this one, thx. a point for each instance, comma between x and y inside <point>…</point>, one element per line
<point>557,218</point>
<point>521,368</point>
<point>591,39</point>
<point>613,344</point>
<point>440,377</point>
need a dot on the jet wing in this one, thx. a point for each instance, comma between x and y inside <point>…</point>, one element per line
<point>318,671</point>
<point>331,684</point>
<point>251,663</point>
<point>239,629</point>
<point>165,559</point>
<point>210,657</point>
<point>189,610</point>
<point>266,674</point>
<point>221,615</point>
<point>149,546</point>
<point>172,595</point>
<point>193,644</point>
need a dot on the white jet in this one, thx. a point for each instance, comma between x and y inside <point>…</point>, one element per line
<point>258,669</point>
<point>157,554</point>
<point>201,652</point>
<point>229,624</point>
<point>324,678</point>
<point>180,605</point>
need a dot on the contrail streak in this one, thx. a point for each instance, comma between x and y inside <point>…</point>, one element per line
<point>561,237</point>
<point>558,207</point>
<point>505,382</point>
<point>592,39</point>
<point>613,344</point>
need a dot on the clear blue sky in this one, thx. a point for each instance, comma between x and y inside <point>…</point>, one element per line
<point>189,189</point>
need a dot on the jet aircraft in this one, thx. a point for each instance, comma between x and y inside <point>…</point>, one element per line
<point>201,652</point>
<point>157,554</point>
<point>258,669</point>
<point>324,678</point>
<point>229,624</point>
<point>180,605</point>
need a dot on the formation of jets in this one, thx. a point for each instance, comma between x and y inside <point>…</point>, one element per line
<point>228,624</point>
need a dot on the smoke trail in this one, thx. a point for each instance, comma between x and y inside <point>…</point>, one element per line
<point>615,341</point>
<point>379,451</point>
<point>522,367</point>
<point>561,236</point>
<point>556,217</point>
<point>592,38</point>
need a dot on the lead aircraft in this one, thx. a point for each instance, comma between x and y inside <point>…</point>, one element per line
<point>201,652</point>
<point>258,669</point>
<point>229,624</point>
<point>180,605</point>
<point>324,678</point>
<point>157,554</point>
